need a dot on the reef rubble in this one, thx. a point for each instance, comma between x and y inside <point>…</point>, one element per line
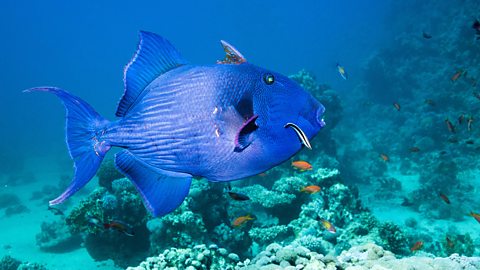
<point>296,257</point>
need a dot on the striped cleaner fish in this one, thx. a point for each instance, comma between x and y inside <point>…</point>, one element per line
<point>223,121</point>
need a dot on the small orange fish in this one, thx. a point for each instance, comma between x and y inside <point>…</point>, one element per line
<point>444,198</point>
<point>328,226</point>
<point>241,220</point>
<point>418,245</point>
<point>457,75</point>
<point>310,189</point>
<point>450,243</point>
<point>476,216</point>
<point>450,126</point>
<point>469,123</point>
<point>460,119</point>
<point>397,106</point>
<point>414,149</point>
<point>384,157</point>
<point>301,165</point>
<point>120,226</point>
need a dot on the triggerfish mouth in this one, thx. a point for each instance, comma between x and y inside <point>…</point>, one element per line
<point>176,120</point>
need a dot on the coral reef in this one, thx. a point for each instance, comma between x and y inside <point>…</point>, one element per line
<point>291,257</point>
<point>181,229</point>
<point>198,257</point>
<point>8,199</point>
<point>55,236</point>
<point>12,205</point>
<point>107,173</point>
<point>392,237</point>
<point>9,263</point>
<point>102,207</point>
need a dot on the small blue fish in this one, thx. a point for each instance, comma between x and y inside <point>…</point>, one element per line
<point>223,121</point>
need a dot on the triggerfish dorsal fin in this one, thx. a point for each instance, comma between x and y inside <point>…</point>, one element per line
<point>154,56</point>
<point>232,55</point>
<point>162,191</point>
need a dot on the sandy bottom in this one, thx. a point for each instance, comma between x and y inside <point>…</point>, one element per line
<point>391,209</point>
<point>17,233</point>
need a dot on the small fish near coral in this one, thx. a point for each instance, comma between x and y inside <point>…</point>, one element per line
<point>384,157</point>
<point>476,216</point>
<point>414,149</point>
<point>426,35</point>
<point>449,242</point>
<point>469,123</point>
<point>94,222</point>
<point>450,126</point>
<point>417,246</point>
<point>56,211</point>
<point>397,106</point>
<point>342,72</point>
<point>310,189</point>
<point>444,198</point>
<point>457,75</point>
<point>120,226</point>
<point>241,220</point>
<point>236,195</point>
<point>476,27</point>
<point>302,165</point>
<point>327,225</point>
<point>177,120</point>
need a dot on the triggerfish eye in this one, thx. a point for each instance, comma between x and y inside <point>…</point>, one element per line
<point>268,79</point>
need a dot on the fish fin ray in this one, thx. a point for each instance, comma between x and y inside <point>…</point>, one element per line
<point>162,191</point>
<point>85,148</point>
<point>232,55</point>
<point>154,56</point>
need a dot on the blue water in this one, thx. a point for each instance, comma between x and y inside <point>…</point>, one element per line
<point>83,47</point>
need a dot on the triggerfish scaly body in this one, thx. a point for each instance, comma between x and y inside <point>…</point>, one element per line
<point>223,122</point>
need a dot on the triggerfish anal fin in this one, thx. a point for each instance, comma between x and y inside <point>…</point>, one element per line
<point>232,55</point>
<point>244,136</point>
<point>162,191</point>
<point>83,133</point>
<point>154,56</point>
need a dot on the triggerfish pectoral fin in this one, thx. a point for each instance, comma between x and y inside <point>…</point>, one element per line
<point>244,136</point>
<point>85,145</point>
<point>162,191</point>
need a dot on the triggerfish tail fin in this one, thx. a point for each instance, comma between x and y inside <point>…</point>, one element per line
<point>162,191</point>
<point>84,130</point>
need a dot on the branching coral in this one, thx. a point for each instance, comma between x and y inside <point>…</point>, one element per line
<point>392,237</point>
<point>267,235</point>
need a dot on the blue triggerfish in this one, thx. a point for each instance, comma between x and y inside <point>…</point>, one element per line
<point>176,120</point>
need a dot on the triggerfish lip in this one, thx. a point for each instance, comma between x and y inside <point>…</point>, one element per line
<point>301,135</point>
